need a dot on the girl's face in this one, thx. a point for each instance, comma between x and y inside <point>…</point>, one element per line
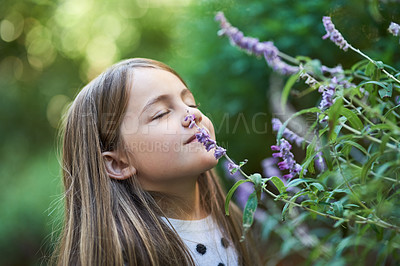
<point>160,144</point>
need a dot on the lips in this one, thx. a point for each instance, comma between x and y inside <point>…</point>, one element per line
<point>191,139</point>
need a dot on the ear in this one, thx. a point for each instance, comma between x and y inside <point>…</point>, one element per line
<point>117,167</point>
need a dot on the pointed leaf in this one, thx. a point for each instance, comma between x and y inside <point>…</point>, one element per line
<point>278,184</point>
<point>367,166</point>
<point>352,118</point>
<point>230,193</point>
<point>318,186</point>
<point>249,210</point>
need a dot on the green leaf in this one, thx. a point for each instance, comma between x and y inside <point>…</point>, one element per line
<point>311,151</point>
<point>243,163</point>
<point>370,69</point>
<point>284,210</point>
<point>388,112</point>
<point>287,88</point>
<point>351,205</point>
<point>359,65</point>
<point>352,118</point>
<point>306,164</point>
<point>257,180</point>
<point>367,166</point>
<point>337,208</point>
<point>380,84</point>
<point>327,155</point>
<point>379,64</point>
<point>318,186</point>
<point>346,149</point>
<point>289,205</point>
<point>338,223</point>
<point>284,125</point>
<point>346,242</point>
<point>299,181</point>
<point>381,126</point>
<point>382,146</point>
<point>249,210</point>
<point>308,202</point>
<point>278,184</point>
<point>230,193</point>
<point>358,146</point>
<point>386,92</point>
<point>338,128</point>
<point>333,113</point>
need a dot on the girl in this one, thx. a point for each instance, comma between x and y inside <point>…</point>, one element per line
<point>139,188</point>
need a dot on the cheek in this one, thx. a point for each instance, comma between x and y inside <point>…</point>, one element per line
<point>147,147</point>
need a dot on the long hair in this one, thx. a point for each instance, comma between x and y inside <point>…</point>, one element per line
<point>116,222</point>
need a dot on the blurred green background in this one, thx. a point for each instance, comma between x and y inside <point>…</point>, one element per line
<point>50,49</point>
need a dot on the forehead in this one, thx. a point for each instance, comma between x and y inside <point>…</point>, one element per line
<point>148,83</point>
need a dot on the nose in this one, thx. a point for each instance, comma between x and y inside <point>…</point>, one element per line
<point>188,118</point>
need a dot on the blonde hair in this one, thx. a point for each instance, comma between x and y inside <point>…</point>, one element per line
<point>116,222</point>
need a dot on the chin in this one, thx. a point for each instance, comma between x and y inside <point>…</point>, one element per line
<point>209,162</point>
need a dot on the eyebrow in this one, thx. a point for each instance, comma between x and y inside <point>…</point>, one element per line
<point>162,98</point>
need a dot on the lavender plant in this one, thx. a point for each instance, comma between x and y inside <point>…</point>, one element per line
<point>353,143</point>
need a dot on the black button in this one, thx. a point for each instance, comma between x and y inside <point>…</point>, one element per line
<point>224,243</point>
<point>201,249</point>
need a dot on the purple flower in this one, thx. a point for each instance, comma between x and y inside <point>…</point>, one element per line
<point>333,34</point>
<point>228,167</point>
<point>333,71</point>
<point>287,133</point>
<point>288,162</point>
<point>192,120</point>
<point>233,168</point>
<point>219,152</point>
<point>293,137</point>
<point>394,29</point>
<point>327,96</point>
<point>204,138</point>
<point>254,46</point>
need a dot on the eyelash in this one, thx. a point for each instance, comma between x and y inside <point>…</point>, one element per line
<point>165,113</point>
<point>160,115</point>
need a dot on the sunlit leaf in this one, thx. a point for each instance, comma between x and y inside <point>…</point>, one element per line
<point>230,193</point>
<point>249,210</point>
<point>278,184</point>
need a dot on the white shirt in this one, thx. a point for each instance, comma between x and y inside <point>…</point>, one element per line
<point>205,242</point>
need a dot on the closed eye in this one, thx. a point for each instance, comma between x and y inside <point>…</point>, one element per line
<point>194,105</point>
<point>160,115</point>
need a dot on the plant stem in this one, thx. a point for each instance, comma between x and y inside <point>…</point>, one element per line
<point>288,58</point>
<point>363,220</point>
<point>351,189</point>
<point>303,207</point>
<point>240,169</point>
<point>365,118</point>
<point>373,173</point>
<point>373,62</point>
<point>391,146</point>
<point>372,111</point>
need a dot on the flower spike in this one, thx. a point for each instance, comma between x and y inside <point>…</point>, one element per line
<point>333,34</point>
<point>204,138</point>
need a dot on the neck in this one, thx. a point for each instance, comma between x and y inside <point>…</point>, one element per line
<point>183,202</point>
